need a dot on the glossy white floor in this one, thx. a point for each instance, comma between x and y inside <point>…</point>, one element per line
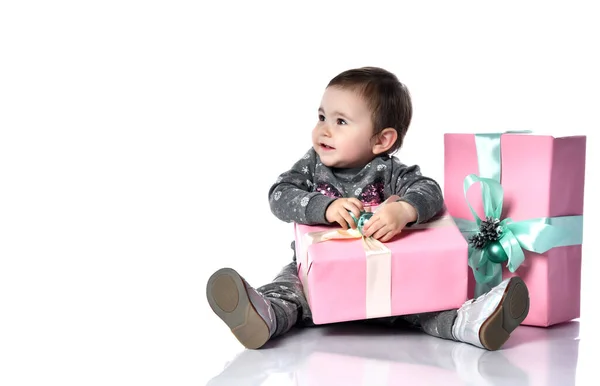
<point>351,354</point>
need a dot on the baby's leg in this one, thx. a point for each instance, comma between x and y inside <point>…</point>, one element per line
<point>485,322</point>
<point>257,315</point>
<point>438,324</point>
<point>287,299</point>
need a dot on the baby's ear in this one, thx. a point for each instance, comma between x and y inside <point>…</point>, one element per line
<point>384,140</point>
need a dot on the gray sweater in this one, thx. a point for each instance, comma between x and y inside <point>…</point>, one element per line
<point>303,193</point>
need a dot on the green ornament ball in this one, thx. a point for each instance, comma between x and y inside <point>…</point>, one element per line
<point>360,222</point>
<point>496,253</point>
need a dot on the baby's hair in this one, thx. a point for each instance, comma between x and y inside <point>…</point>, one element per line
<point>388,99</point>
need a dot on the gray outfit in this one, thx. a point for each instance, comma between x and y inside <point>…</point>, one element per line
<point>303,194</point>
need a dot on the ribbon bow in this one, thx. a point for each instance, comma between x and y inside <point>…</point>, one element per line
<point>508,239</point>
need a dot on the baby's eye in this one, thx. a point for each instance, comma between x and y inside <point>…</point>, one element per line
<point>340,121</point>
<point>321,117</point>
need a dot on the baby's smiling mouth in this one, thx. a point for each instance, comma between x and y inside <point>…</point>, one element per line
<point>326,147</point>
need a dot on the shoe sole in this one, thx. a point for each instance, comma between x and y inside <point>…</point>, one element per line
<point>510,313</point>
<point>228,298</point>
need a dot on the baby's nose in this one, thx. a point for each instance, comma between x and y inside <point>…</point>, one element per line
<point>325,130</point>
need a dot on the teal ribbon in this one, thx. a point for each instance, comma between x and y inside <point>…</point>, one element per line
<point>488,149</point>
<point>489,155</point>
<point>536,235</point>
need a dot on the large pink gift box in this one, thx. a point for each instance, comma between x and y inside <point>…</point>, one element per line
<point>541,176</point>
<point>425,271</point>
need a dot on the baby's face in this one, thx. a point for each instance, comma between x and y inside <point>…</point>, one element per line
<point>343,135</point>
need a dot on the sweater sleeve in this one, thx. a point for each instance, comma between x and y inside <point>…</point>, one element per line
<point>423,193</point>
<point>292,198</point>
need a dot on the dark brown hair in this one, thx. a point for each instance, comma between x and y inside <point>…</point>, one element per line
<point>388,99</point>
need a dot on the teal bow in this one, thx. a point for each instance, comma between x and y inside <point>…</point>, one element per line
<point>536,235</point>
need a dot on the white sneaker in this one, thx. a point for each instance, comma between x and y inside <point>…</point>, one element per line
<point>487,321</point>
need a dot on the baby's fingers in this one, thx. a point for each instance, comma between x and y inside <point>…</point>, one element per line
<point>352,207</point>
<point>340,220</point>
<point>372,226</point>
<point>349,220</point>
<point>388,236</point>
<point>357,203</point>
<point>381,233</point>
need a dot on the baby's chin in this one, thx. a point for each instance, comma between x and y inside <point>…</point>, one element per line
<point>334,164</point>
<point>329,159</point>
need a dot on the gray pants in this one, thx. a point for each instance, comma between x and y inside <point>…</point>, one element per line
<point>291,308</point>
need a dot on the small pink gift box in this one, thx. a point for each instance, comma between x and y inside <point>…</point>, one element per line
<point>424,270</point>
<point>541,177</point>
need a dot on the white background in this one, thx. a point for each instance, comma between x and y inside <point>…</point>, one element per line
<point>137,136</point>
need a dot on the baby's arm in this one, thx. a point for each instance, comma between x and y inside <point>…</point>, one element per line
<point>423,193</point>
<point>291,197</point>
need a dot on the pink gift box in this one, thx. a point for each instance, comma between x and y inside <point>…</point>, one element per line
<point>542,176</point>
<point>426,272</point>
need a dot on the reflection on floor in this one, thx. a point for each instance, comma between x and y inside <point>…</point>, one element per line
<point>354,354</point>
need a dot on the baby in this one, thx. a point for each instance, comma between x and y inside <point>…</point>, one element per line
<point>362,121</point>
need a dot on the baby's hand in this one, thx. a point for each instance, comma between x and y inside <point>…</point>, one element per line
<point>337,211</point>
<point>390,220</point>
